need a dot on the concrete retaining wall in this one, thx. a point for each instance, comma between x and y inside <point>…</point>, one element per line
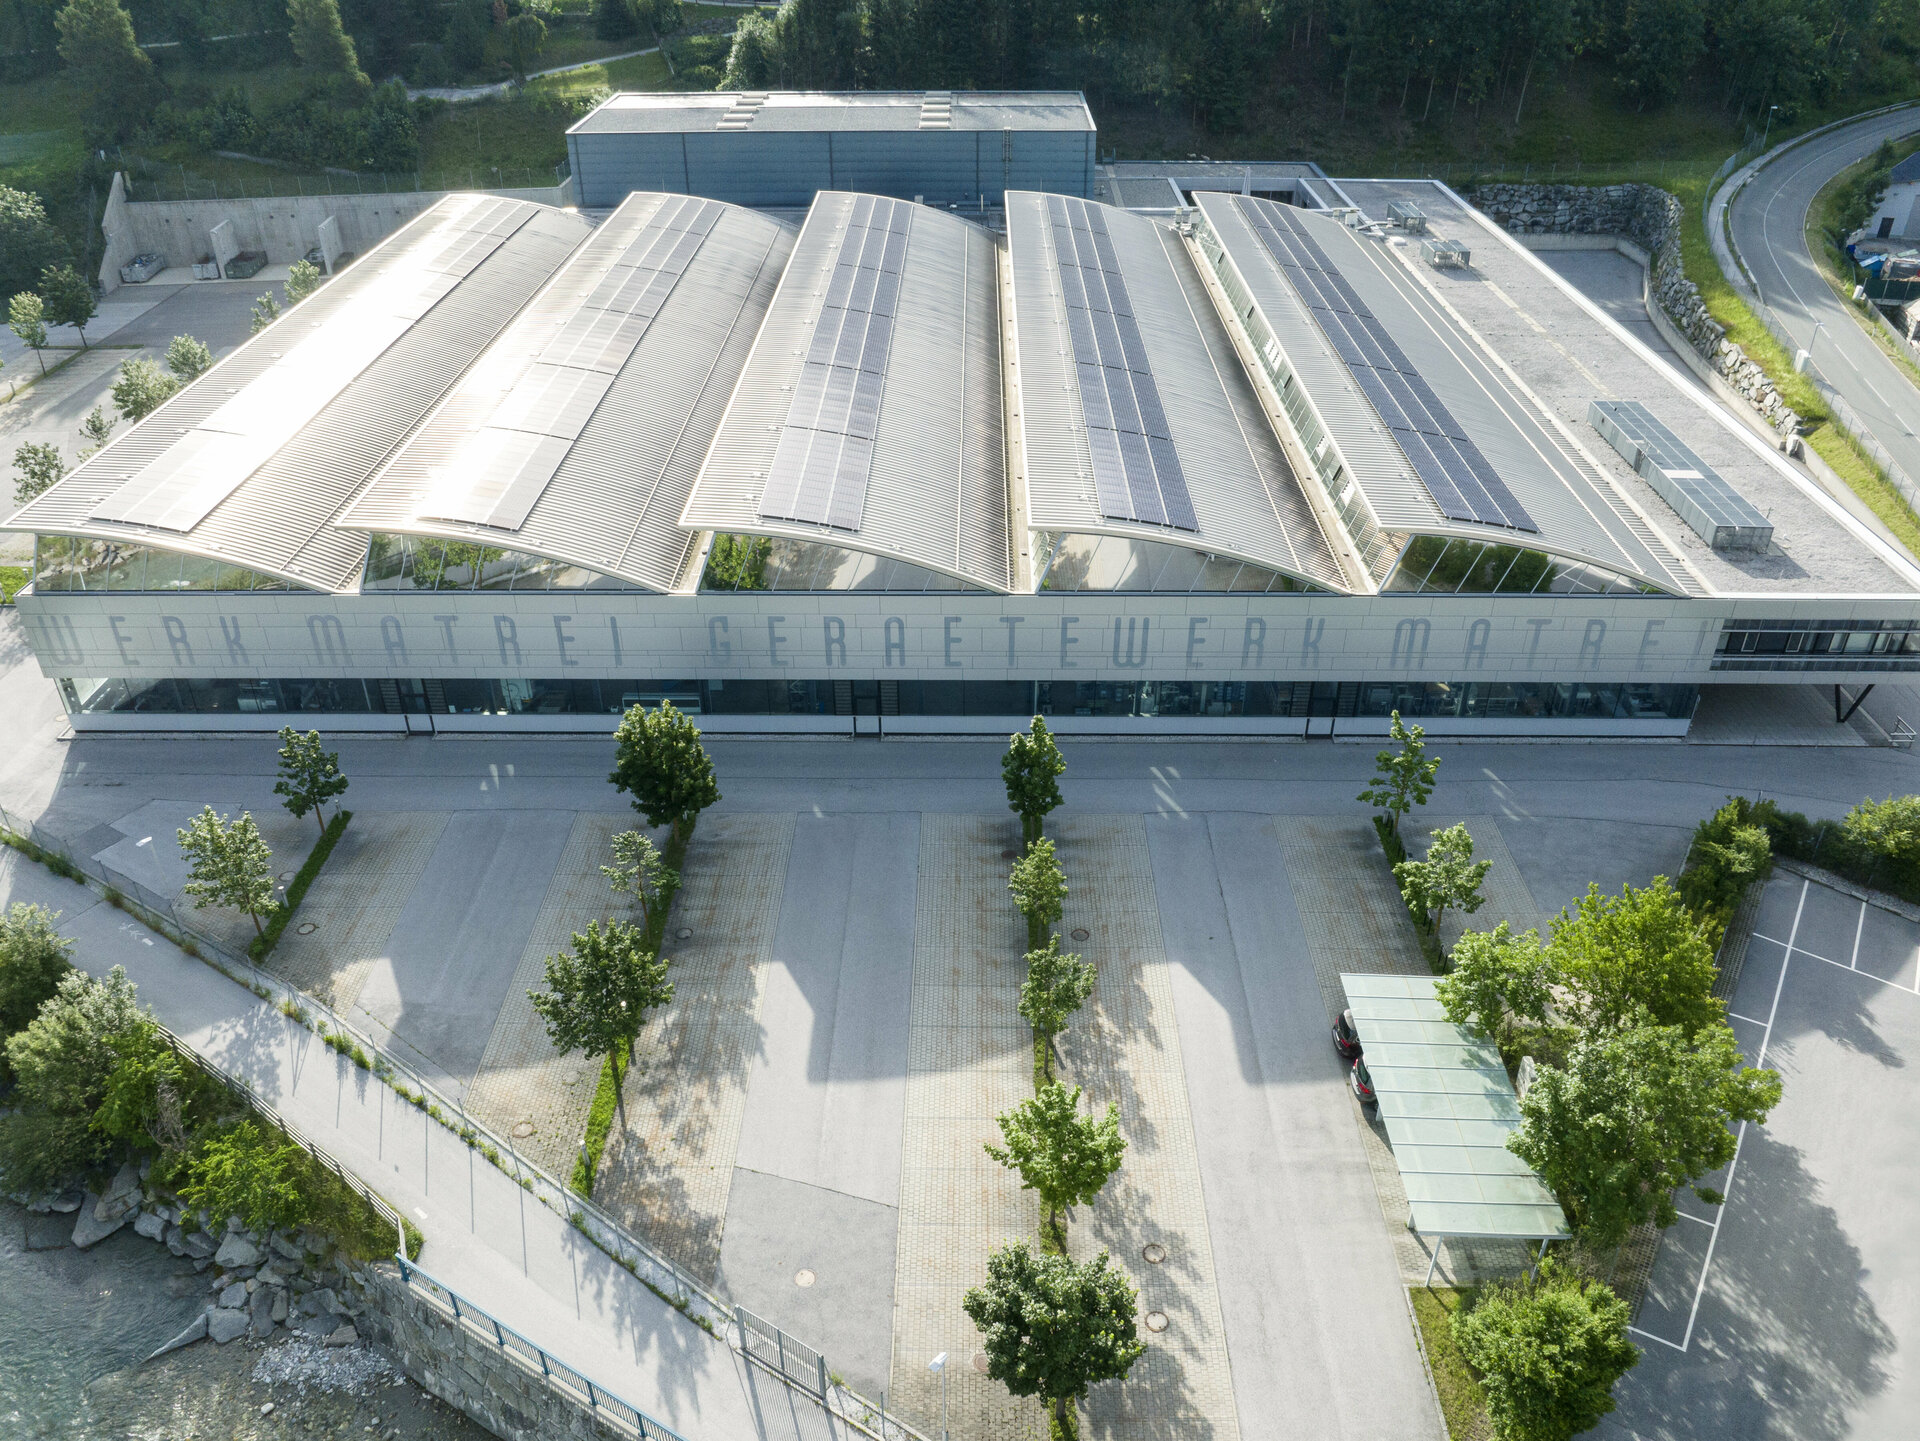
<point>1650,218</point>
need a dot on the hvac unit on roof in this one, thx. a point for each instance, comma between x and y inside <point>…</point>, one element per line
<point>1405,215</point>
<point>1717,513</point>
<point>1445,254</point>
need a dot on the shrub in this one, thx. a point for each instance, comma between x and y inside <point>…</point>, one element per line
<point>247,1171</point>
<point>1730,851</point>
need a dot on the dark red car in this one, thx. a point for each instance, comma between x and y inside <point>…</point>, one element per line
<point>1346,1037</point>
<point>1363,1084</point>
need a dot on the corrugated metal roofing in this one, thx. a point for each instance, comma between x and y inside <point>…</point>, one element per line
<point>1448,1108</point>
<point>1578,512</point>
<point>1246,500</point>
<point>936,490</point>
<point>278,519</point>
<point>672,112</point>
<point>617,486</point>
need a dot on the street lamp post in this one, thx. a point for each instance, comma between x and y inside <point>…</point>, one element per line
<point>938,1365</point>
<point>1767,129</point>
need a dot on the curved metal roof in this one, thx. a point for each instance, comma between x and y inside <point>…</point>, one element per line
<point>251,463</point>
<point>868,416</point>
<point>1569,506</point>
<point>578,434</point>
<point>1245,501</point>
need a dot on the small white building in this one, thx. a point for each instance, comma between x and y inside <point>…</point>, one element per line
<point>1898,214</point>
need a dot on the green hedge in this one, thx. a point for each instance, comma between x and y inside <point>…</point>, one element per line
<point>262,945</point>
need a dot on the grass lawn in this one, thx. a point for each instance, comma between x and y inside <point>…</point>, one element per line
<point>12,577</point>
<point>1462,1401</point>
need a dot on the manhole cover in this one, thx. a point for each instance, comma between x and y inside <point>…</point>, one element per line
<point>804,1277</point>
<point>305,928</point>
<point>1154,1252</point>
<point>285,876</point>
<point>1009,855</point>
<point>980,1362</point>
<point>684,933</point>
<point>1080,933</point>
<point>1156,1320</point>
<point>524,1129</point>
<point>572,1078</point>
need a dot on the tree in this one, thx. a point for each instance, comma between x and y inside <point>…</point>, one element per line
<point>188,359</point>
<point>1051,1328</point>
<point>1062,1156</point>
<point>1058,983</point>
<point>663,17</point>
<point>659,760</point>
<point>320,42</point>
<point>526,36</point>
<point>29,243</point>
<point>143,387</point>
<point>229,864</point>
<point>1889,828</point>
<point>1730,851</point>
<point>61,1063</point>
<point>1402,779</point>
<point>303,278</point>
<point>68,299</point>
<point>108,65</point>
<point>1496,980</point>
<point>96,428</point>
<point>309,774</point>
<point>1031,769</point>
<point>752,59</point>
<point>152,1097</point>
<point>598,996</point>
<point>1039,890</point>
<point>1548,1352</point>
<point>737,562</point>
<point>1656,47</point>
<point>1447,880</point>
<point>466,37</point>
<point>615,19</point>
<point>33,959</point>
<point>640,871</point>
<point>39,467</point>
<point>266,310</point>
<point>1639,951</point>
<point>1634,1114</point>
<point>27,319</point>
<point>251,1172</point>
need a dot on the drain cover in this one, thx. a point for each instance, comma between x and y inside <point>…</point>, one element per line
<point>1154,1252</point>
<point>572,1078</point>
<point>684,933</point>
<point>804,1277</point>
<point>524,1129</point>
<point>980,1362</point>
<point>305,928</point>
<point>1080,933</point>
<point>1156,1320</point>
<point>1009,855</point>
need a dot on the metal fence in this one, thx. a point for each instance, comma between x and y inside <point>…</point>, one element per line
<point>561,1379</point>
<point>656,1271</point>
<point>154,180</point>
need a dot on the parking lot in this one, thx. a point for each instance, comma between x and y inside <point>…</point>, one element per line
<point>1787,1311</point>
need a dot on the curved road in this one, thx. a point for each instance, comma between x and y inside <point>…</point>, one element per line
<point>1769,229</point>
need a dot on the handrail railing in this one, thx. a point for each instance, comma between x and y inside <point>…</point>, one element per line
<point>561,1379</point>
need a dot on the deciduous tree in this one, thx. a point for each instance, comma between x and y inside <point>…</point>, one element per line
<point>640,871</point>
<point>96,428</point>
<point>1497,980</point>
<point>1039,890</point>
<point>142,388</point>
<point>61,1063</point>
<point>660,762</point>
<point>228,864</point>
<point>266,310</point>
<point>303,278</point>
<point>1062,1156</point>
<point>36,469</point>
<point>1641,952</point>
<point>1402,779</point>
<point>110,69</point>
<point>320,42</point>
<point>526,37</point>
<point>27,319</point>
<point>29,243</point>
<point>188,359</point>
<point>598,995</point>
<point>1057,984</point>
<point>1032,768</point>
<point>68,299</point>
<point>251,1172</point>
<point>1448,879</point>
<point>1889,828</point>
<point>309,774</point>
<point>33,959</point>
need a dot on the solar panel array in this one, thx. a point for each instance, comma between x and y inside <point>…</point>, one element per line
<point>1718,513</point>
<point>1136,470</point>
<point>821,466</point>
<point>1458,477</point>
<point>499,474</point>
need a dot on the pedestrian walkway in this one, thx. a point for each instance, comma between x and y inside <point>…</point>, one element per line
<point>485,1236</point>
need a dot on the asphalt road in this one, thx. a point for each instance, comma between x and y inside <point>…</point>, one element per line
<point>1769,218</point>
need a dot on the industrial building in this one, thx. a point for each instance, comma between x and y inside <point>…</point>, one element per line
<point>960,148</point>
<point>1239,467</point>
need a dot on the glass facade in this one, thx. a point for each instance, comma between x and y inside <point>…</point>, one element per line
<point>1435,565</point>
<point>1817,645</point>
<point>1106,562</point>
<point>71,562</point>
<point>762,562</point>
<point>411,562</point>
<point>1142,699</point>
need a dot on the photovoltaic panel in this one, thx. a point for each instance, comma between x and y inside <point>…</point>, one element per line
<point>825,455</point>
<point>1136,469</point>
<point>1452,468</point>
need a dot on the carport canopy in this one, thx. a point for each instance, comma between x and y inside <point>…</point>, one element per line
<point>1448,1108</point>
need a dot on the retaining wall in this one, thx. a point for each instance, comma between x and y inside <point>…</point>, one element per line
<point>1650,218</point>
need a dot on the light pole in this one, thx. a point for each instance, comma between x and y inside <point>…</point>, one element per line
<point>938,1365</point>
<point>1767,129</point>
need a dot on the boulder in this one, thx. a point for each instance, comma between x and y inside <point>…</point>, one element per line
<point>193,1333</point>
<point>149,1224</point>
<point>122,1196</point>
<point>284,1245</point>
<point>260,1313</point>
<point>280,1307</point>
<point>89,1229</point>
<point>237,1250</point>
<point>176,1241</point>
<point>233,1295</point>
<point>318,1327</point>
<point>225,1324</point>
<point>200,1246</point>
<point>67,1202</point>
<point>319,1303</point>
<point>344,1335</point>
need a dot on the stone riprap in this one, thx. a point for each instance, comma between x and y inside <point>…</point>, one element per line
<point>1650,218</point>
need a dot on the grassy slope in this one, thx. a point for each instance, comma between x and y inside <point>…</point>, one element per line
<point>1462,1401</point>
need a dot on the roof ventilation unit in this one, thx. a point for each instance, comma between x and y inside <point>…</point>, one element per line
<point>936,110</point>
<point>1445,254</point>
<point>1405,215</point>
<point>1718,513</point>
<point>739,115</point>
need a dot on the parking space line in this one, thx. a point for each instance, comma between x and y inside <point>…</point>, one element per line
<point>1793,949</point>
<point>1858,926</point>
<point>1913,990</point>
<point>1750,1020</point>
<point>1697,1220</point>
<point>1635,1330</point>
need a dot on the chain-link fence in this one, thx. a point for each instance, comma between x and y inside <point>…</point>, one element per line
<point>157,180</point>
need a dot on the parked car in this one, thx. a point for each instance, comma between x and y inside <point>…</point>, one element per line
<point>1346,1037</point>
<point>1363,1084</point>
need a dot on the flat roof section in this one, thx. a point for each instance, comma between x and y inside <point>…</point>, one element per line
<point>879,358</point>
<point>1490,442</point>
<point>578,434</point>
<point>674,112</point>
<point>1448,1108</point>
<point>1571,357</point>
<point>251,463</point>
<point>1245,501</point>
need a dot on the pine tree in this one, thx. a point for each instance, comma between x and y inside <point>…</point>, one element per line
<point>321,43</point>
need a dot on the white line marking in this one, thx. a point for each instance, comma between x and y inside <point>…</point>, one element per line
<point>1699,1220</point>
<point>1798,950</point>
<point>1651,1337</point>
<point>1858,926</point>
<point>1750,1020</point>
<point>1739,1139</point>
<point>1869,975</point>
